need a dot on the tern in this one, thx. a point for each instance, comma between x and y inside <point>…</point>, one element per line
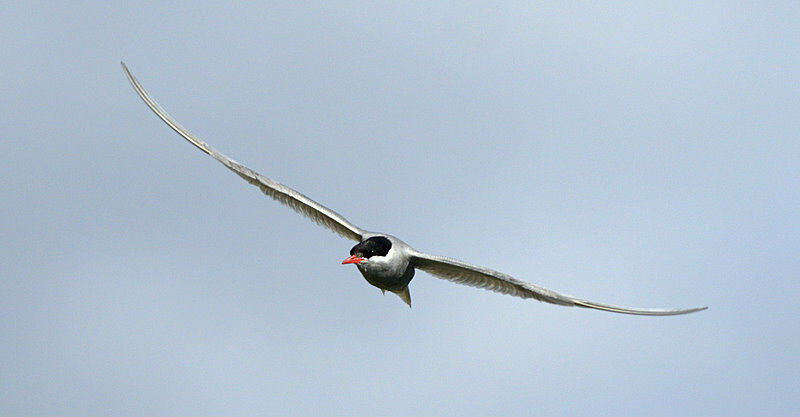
<point>385,261</point>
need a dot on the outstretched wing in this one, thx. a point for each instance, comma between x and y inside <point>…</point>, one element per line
<point>478,276</point>
<point>283,194</point>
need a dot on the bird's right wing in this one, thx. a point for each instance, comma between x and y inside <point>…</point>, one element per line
<point>478,276</point>
<point>283,194</point>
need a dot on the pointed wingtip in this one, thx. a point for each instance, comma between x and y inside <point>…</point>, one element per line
<point>638,311</point>
<point>128,73</point>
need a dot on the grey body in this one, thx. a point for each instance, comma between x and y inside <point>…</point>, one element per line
<point>394,271</point>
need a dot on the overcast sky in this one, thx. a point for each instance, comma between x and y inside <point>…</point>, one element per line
<point>640,154</point>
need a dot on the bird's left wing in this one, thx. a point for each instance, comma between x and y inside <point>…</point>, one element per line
<point>478,276</point>
<point>283,194</point>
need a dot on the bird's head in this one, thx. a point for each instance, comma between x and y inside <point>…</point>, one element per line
<point>366,249</point>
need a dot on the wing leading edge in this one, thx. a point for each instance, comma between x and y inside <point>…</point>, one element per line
<point>277,191</point>
<point>478,276</point>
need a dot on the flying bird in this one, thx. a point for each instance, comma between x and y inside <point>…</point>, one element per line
<point>385,261</point>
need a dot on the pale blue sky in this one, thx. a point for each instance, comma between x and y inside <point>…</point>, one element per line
<point>636,154</point>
